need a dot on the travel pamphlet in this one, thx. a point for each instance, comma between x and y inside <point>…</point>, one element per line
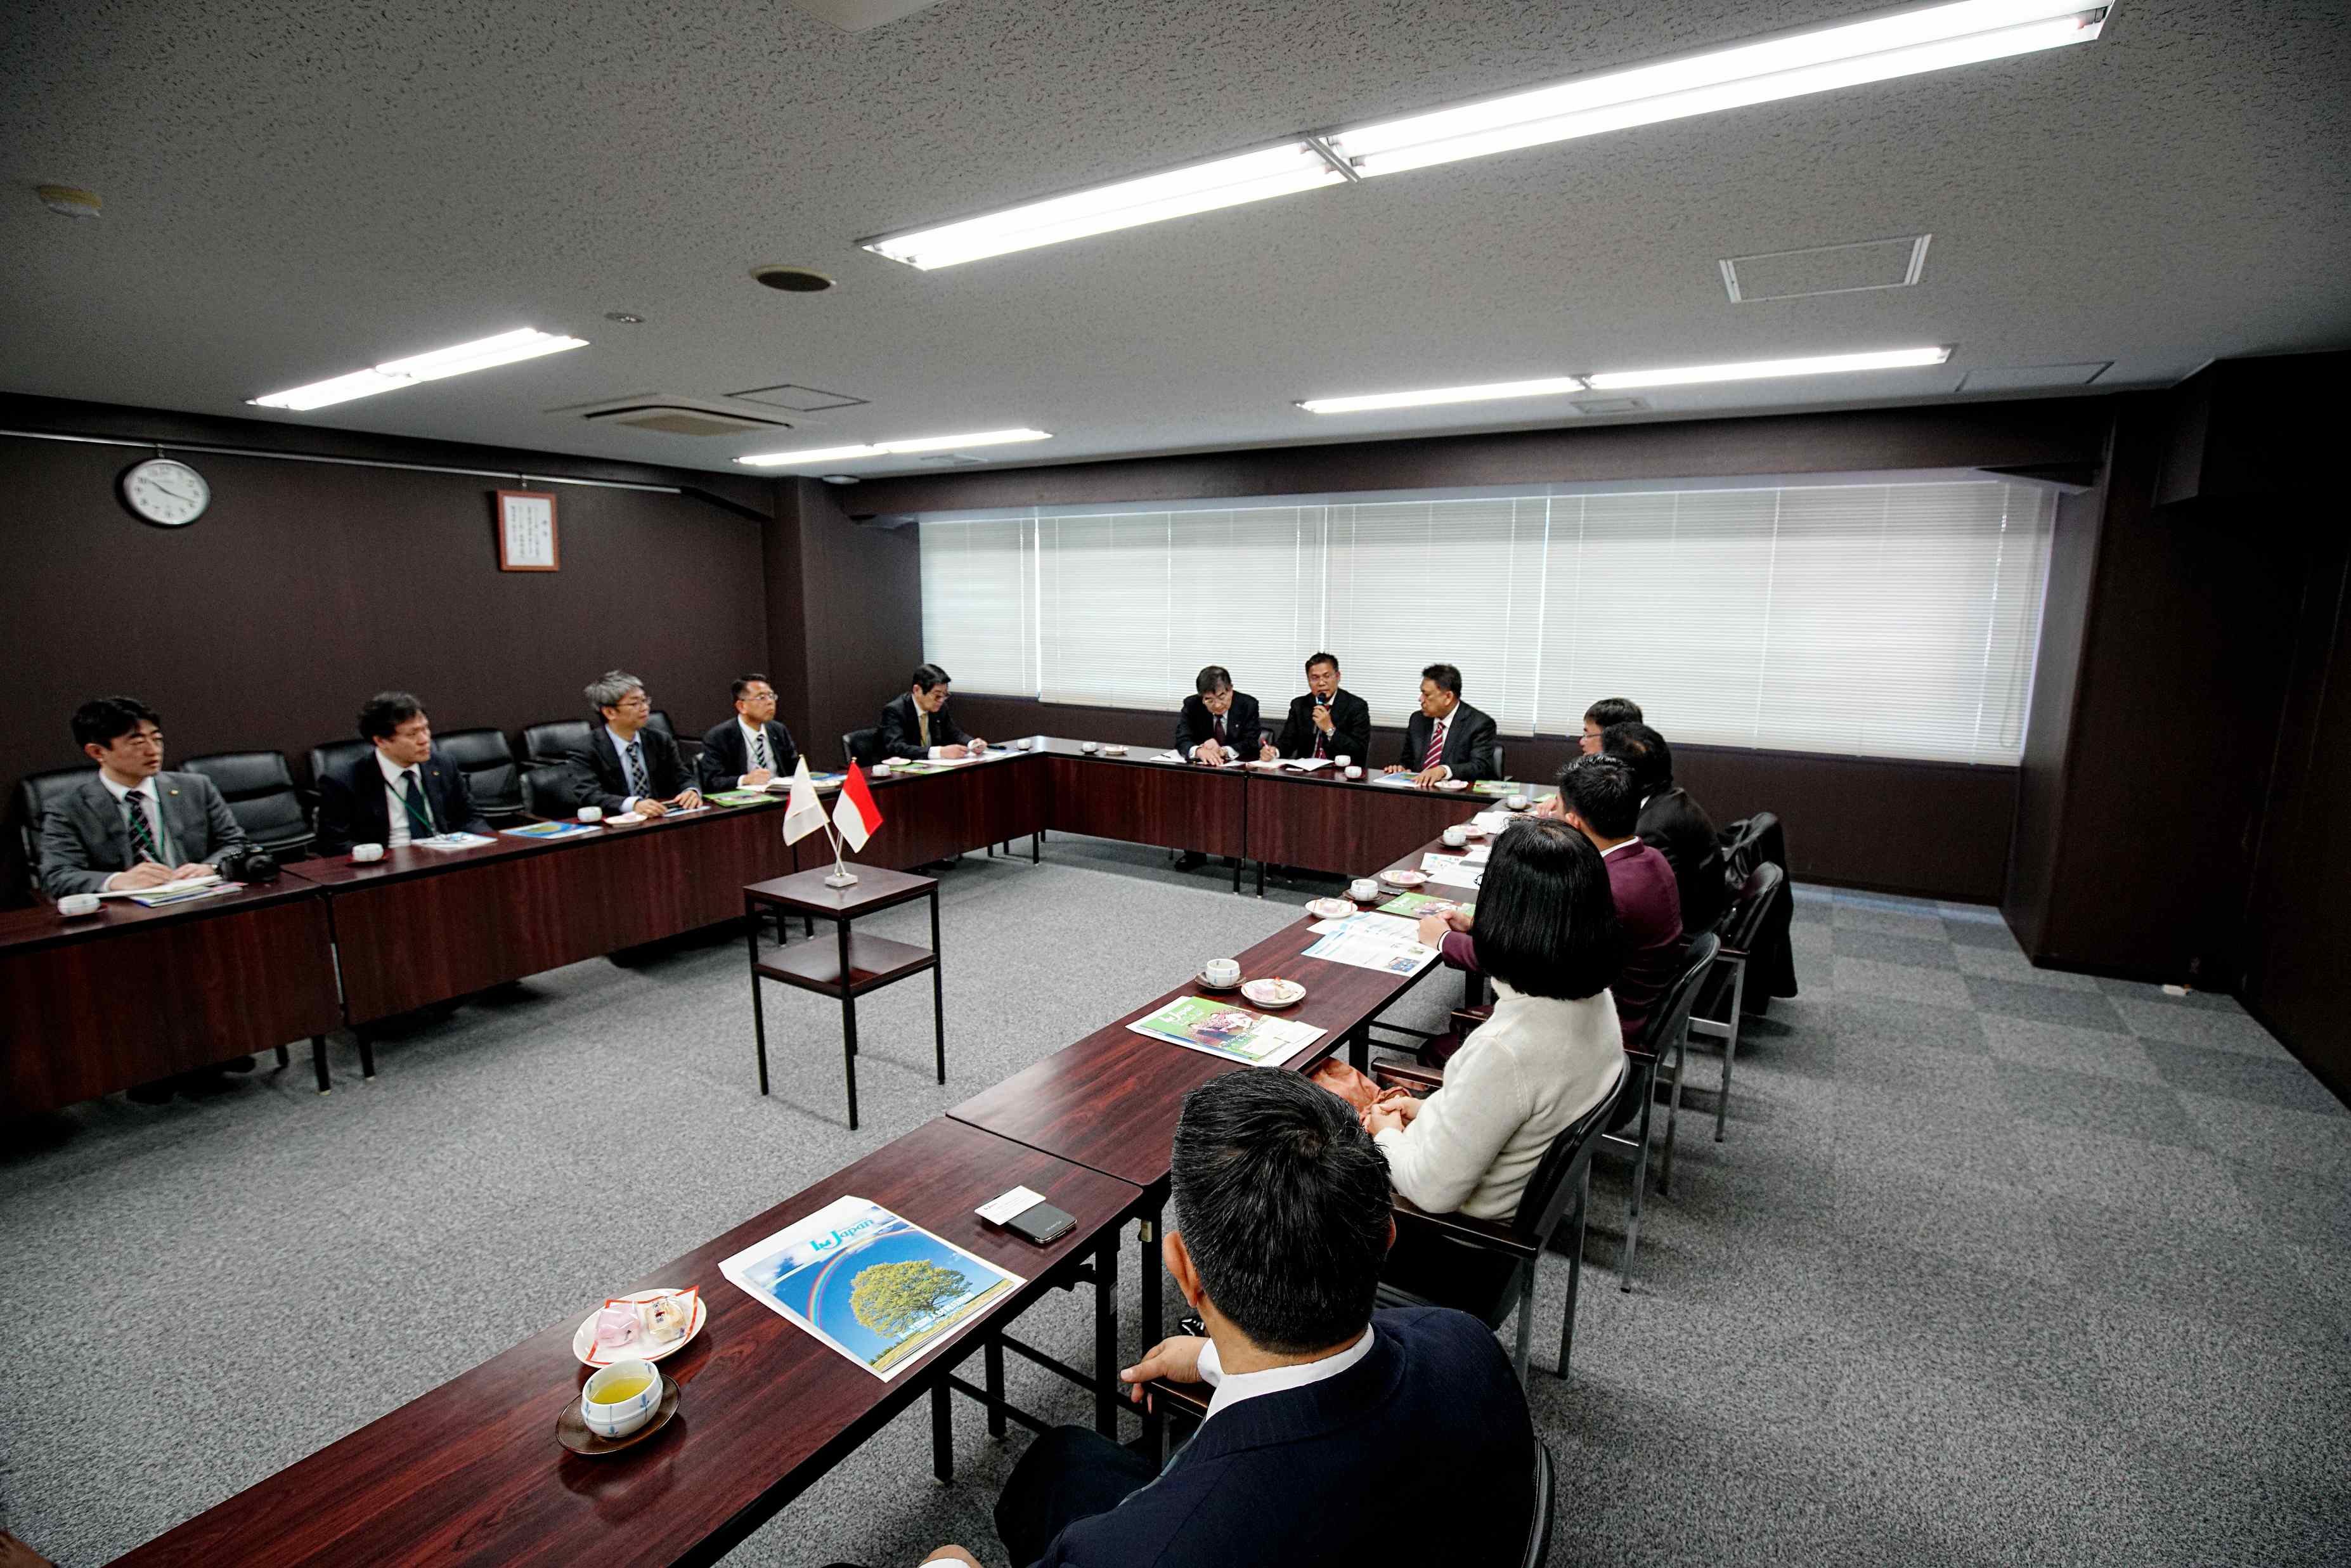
<point>783,785</point>
<point>1454,870</point>
<point>754,796</point>
<point>551,830</point>
<point>1502,787</point>
<point>1222,1029</point>
<point>447,841</point>
<point>1412,905</point>
<point>1376,942</point>
<point>878,1289</point>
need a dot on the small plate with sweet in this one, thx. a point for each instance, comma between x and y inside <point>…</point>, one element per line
<point>643,1325</point>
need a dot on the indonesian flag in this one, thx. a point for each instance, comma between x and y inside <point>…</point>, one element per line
<point>802,815</point>
<point>856,814</point>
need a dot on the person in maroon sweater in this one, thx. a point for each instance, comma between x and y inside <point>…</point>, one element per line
<point>1599,798</point>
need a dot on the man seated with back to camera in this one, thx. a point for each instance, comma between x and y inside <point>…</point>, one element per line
<point>1674,822</point>
<point>1325,1414</point>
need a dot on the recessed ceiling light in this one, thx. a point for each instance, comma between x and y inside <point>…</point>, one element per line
<point>523,343</point>
<point>625,317</point>
<point>1546,387</point>
<point>1100,209</point>
<point>1760,370</point>
<point>69,201</point>
<point>838,478</point>
<point>792,279</point>
<point>1790,65</point>
<point>889,448</point>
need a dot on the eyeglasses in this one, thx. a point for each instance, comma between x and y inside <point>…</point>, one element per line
<point>634,702</point>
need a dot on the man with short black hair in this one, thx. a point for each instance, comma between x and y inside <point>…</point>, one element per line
<point>400,792</point>
<point>1601,715</point>
<point>628,766</point>
<point>752,747</point>
<point>1324,1411</point>
<point>1673,821</point>
<point>1328,720</point>
<point>1216,723</point>
<point>134,825</point>
<point>916,723</point>
<point>1447,738</point>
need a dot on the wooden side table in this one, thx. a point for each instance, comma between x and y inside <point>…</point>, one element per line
<point>854,965</point>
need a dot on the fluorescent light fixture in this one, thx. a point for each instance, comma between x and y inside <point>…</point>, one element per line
<point>1790,65</point>
<point>1174,194</point>
<point>889,448</point>
<point>523,343</point>
<point>1543,388</point>
<point>1761,369</point>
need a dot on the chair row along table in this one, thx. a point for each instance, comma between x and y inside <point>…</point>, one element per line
<point>470,1473</point>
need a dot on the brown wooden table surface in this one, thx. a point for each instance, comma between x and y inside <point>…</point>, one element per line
<point>130,995</point>
<point>470,1472</point>
<point>1182,805</point>
<point>1349,827</point>
<point>929,817</point>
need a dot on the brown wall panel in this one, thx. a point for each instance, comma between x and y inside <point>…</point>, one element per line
<point>861,614</point>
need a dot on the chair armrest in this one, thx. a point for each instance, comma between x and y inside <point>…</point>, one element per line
<point>1491,1235</point>
<point>1187,1400</point>
<point>1464,1019</point>
<point>1410,1073</point>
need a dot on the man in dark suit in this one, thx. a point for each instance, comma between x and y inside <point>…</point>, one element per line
<point>916,724</point>
<point>750,749</point>
<point>1447,738</point>
<point>1677,824</point>
<point>134,825</point>
<point>1215,724</point>
<point>1324,1411</point>
<point>1327,720</point>
<point>400,793</point>
<point>628,766</point>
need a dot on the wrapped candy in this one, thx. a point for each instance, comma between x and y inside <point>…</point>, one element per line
<point>616,1325</point>
<point>666,1318</point>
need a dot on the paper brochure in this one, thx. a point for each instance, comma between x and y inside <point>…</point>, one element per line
<point>1376,942</point>
<point>1223,1029</point>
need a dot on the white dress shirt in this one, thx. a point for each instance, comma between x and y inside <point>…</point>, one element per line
<point>402,831</point>
<point>1234,1388</point>
<point>154,804</point>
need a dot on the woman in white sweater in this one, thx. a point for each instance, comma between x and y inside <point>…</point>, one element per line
<point>1546,934</point>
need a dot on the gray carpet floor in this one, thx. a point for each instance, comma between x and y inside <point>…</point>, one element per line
<point>1996,1265</point>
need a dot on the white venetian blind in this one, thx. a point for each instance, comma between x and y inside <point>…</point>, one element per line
<point>979,612</point>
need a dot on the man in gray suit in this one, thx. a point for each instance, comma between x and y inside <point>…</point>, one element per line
<point>134,825</point>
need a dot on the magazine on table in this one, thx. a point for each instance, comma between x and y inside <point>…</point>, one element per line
<point>1223,1029</point>
<point>878,1289</point>
<point>1376,942</point>
<point>1412,905</point>
<point>551,830</point>
<point>1454,870</point>
<point>447,841</point>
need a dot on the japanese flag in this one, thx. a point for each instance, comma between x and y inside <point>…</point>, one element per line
<point>856,814</point>
<point>802,815</point>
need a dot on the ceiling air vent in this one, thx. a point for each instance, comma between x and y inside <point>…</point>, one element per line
<point>1825,269</point>
<point>668,417</point>
<point>1611,405</point>
<point>952,460</point>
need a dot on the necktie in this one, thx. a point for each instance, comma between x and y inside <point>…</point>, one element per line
<point>1318,734</point>
<point>1435,745</point>
<point>420,813</point>
<point>760,751</point>
<point>637,785</point>
<point>143,836</point>
<point>923,726</point>
<point>1220,729</point>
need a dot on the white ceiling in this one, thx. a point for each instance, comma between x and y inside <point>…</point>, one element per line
<point>294,190</point>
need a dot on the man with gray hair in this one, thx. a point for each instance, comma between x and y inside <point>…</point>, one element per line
<point>628,766</point>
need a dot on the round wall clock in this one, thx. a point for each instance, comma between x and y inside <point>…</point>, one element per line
<point>169,494</point>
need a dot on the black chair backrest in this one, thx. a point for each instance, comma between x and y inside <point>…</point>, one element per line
<point>490,770</point>
<point>1673,1012</point>
<point>857,745</point>
<point>1740,844</point>
<point>1501,769</point>
<point>1539,1528</point>
<point>554,741</point>
<point>36,793</point>
<point>334,756</point>
<point>1744,924</point>
<point>545,790</point>
<point>259,789</point>
<point>1559,1176</point>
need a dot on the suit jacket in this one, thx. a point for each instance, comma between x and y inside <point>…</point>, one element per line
<point>725,755</point>
<point>595,777</point>
<point>1194,724</point>
<point>1350,728</point>
<point>1685,835</point>
<point>84,839</point>
<point>902,735</point>
<point>1432,1416</point>
<point>1469,743</point>
<point>353,809</point>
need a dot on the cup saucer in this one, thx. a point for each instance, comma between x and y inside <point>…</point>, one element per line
<point>1207,984</point>
<point>571,1429</point>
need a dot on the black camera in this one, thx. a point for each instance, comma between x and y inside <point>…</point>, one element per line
<point>246,863</point>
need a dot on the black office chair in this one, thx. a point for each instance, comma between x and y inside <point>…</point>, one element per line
<point>546,791</point>
<point>1501,769</point>
<point>1722,998</point>
<point>553,741</point>
<point>36,793</point>
<point>491,772</point>
<point>332,757</point>
<point>1667,1031</point>
<point>1546,1493</point>
<point>1487,1268</point>
<point>259,789</point>
<point>858,747</point>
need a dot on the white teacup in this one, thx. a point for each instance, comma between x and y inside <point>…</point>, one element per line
<point>1516,802</point>
<point>1342,761</point>
<point>1456,837</point>
<point>619,1417</point>
<point>1024,743</point>
<point>591,813</point>
<point>1354,771</point>
<point>364,853</point>
<point>1088,746</point>
<point>77,903</point>
<point>1221,972</point>
<point>1364,889</point>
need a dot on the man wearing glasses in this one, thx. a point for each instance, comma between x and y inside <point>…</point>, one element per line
<point>628,767</point>
<point>751,748</point>
<point>134,825</point>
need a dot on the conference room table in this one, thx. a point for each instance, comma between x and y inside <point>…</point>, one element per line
<point>472,1472</point>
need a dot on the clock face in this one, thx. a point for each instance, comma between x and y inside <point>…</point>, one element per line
<point>164,492</point>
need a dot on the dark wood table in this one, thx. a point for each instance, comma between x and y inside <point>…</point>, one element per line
<point>1182,805</point>
<point>470,1472</point>
<point>1346,826</point>
<point>130,995</point>
<point>928,817</point>
<point>854,965</point>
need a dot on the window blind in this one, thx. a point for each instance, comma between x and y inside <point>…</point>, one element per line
<point>1874,619</point>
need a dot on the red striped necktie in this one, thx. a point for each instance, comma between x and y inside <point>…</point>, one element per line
<point>1435,746</point>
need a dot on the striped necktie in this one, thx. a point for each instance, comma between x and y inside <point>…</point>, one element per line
<point>760,749</point>
<point>143,835</point>
<point>637,785</point>
<point>1435,746</point>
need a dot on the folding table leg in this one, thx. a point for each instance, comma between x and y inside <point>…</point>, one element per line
<point>938,988</point>
<point>318,1062</point>
<point>942,1433</point>
<point>995,1365</point>
<point>1155,1326</point>
<point>758,1009</point>
<point>367,1052</point>
<point>849,1051</point>
<point>1107,1335</point>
